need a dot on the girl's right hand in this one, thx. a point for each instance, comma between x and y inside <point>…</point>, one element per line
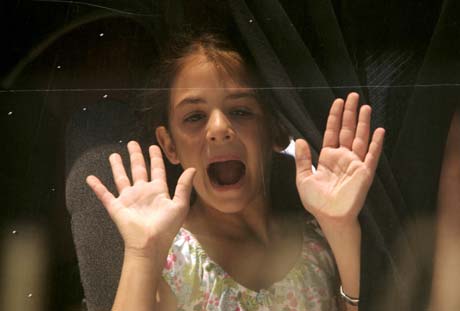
<point>144,213</point>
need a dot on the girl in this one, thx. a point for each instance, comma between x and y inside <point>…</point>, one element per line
<point>230,248</point>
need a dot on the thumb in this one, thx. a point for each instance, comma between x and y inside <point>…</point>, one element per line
<point>184,186</point>
<point>302,159</point>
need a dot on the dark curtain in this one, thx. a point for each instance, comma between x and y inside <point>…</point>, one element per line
<point>406,67</point>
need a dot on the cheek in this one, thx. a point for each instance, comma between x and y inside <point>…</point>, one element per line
<point>259,149</point>
<point>260,137</point>
<point>188,150</point>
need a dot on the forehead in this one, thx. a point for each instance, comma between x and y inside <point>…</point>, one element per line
<point>199,71</point>
<point>200,80</point>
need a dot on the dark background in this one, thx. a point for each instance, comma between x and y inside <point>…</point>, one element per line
<point>59,58</point>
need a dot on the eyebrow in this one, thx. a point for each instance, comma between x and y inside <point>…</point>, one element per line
<point>195,100</point>
<point>241,94</point>
<point>191,100</point>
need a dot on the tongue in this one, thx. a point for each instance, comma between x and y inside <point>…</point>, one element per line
<point>228,172</point>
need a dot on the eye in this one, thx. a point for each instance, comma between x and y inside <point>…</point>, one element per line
<point>241,112</point>
<point>194,117</point>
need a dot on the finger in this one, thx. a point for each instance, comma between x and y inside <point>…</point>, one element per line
<point>119,173</point>
<point>138,170</point>
<point>334,120</point>
<point>361,141</point>
<point>157,165</point>
<point>104,195</point>
<point>347,132</point>
<point>375,149</point>
<point>184,186</point>
<point>302,159</point>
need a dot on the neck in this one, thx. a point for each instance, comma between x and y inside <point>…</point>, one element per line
<point>254,221</point>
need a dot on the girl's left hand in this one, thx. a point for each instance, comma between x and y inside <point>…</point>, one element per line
<point>335,193</point>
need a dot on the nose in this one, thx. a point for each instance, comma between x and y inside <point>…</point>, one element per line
<point>219,128</point>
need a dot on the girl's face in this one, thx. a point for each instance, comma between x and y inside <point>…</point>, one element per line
<point>218,127</point>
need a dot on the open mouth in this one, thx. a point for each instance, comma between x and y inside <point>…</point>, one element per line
<point>226,173</point>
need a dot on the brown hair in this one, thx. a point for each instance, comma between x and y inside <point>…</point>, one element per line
<point>229,57</point>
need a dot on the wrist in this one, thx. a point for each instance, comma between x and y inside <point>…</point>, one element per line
<point>352,301</point>
<point>341,230</point>
<point>151,262</point>
<point>151,248</point>
<point>156,252</point>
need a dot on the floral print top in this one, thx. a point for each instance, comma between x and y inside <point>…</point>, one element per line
<point>201,284</point>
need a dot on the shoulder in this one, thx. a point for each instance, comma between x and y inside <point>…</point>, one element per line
<point>183,266</point>
<point>316,250</point>
<point>317,273</point>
